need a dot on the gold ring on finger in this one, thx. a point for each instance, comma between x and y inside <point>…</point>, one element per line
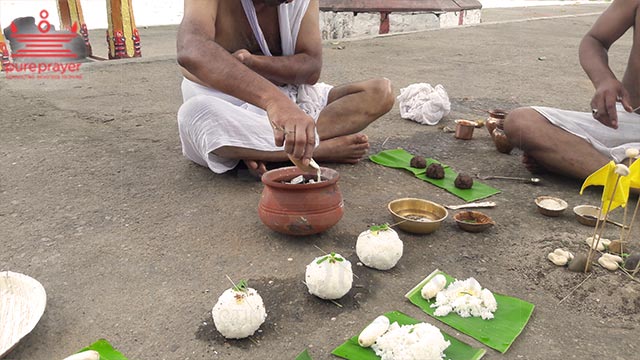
<point>276,127</point>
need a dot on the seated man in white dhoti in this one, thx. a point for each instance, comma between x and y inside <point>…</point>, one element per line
<point>577,144</point>
<point>250,88</point>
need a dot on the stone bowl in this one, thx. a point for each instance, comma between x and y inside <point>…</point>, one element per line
<point>300,209</point>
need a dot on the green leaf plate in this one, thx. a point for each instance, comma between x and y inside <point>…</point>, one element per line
<point>304,355</point>
<point>400,159</point>
<point>456,351</point>
<point>106,351</point>
<point>498,333</point>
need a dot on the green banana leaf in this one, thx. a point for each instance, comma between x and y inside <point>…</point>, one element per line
<point>304,356</point>
<point>456,351</point>
<point>498,333</point>
<point>106,351</point>
<point>400,159</point>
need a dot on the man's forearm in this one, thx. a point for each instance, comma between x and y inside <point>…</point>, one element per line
<point>216,68</point>
<point>295,69</point>
<point>594,59</point>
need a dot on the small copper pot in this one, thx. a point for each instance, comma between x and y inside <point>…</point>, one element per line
<point>464,129</point>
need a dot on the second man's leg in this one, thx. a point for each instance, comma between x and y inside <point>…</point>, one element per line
<point>550,146</point>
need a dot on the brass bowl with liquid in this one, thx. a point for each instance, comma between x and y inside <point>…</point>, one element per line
<point>417,216</point>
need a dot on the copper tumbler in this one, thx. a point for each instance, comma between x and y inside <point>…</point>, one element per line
<point>464,129</point>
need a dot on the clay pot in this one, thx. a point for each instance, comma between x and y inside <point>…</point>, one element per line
<point>300,209</point>
<point>501,141</point>
<point>464,129</point>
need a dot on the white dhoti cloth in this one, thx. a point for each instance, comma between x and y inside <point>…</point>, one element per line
<point>612,143</point>
<point>209,119</point>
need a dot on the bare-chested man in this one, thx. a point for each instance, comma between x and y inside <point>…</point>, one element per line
<point>577,144</point>
<point>251,69</point>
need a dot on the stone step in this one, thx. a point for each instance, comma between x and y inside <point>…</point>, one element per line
<point>341,19</point>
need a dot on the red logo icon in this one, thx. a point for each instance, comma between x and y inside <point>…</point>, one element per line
<point>43,44</point>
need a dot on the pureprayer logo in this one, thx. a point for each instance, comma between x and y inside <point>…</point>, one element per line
<point>40,53</point>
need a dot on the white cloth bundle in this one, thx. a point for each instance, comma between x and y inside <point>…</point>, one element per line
<point>423,103</point>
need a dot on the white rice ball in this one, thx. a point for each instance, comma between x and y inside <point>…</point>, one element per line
<point>238,314</point>
<point>379,249</point>
<point>329,277</point>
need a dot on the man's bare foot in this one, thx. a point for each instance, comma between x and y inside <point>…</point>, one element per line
<point>532,165</point>
<point>348,149</point>
<point>256,168</point>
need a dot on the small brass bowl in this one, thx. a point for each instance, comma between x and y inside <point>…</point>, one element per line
<point>551,206</point>
<point>417,216</point>
<point>473,221</point>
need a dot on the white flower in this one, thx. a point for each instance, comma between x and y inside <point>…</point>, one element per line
<point>560,257</point>
<point>622,170</point>
<point>631,153</point>
<point>610,261</point>
<point>601,244</point>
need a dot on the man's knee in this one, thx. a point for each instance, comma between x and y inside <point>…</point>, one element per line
<point>520,121</point>
<point>382,95</point>
<point>197,108</point>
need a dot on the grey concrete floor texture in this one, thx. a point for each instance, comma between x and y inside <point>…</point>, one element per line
<point>133,242</point>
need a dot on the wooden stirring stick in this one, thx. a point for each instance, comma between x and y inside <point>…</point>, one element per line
<point>313,167</point>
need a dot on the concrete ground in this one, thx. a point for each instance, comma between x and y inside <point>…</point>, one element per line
<point>133,242</point>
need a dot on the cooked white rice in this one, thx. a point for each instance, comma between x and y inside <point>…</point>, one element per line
<point>466,298</point>
<point>421,341</point>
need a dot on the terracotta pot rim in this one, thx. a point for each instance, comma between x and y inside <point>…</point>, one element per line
<point>274,177</point>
